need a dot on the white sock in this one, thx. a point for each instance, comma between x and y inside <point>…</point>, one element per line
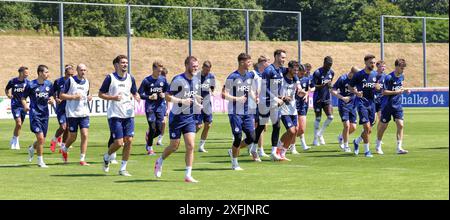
<point>358,140</point>
<point>112,156</point>
<point>160,160</point>
<point>346,144</point>
<point>325,125</point>
<point>188,171</point>
<point>283,152</point>
<point>261,150</point>
<point>160,137</point>
<point>378,146</point>
<point>15,139</point>
<point>316,127</point>
<point>123,166</point>
<point>302,140</point>
<point>82,157</point>
<point>366,148</point>
<point>63,147</point>
<point>234,161</point>
<point>274,149</point>
<point>40,159</point>
<point>399,145</point>
<point>253,148</point>
<point>149,148</point>
<point>202,144</point>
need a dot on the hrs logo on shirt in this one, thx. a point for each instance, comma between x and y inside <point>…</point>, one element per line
<point>42,94</point>
<point>397,88</point>
<point>154,90</point>
<point>277,81</point>
<point>243,88</point>
<point>19,89</point>
<point>190,93</point>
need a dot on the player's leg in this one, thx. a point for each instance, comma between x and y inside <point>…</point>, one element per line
<point>276,127</point>
<point>318,114</point>
<point>328,110</point>
<point>15,139</point>
<point>398,117</point>
<point>343,137</point>
<point>385,118</point>
<point>207,121</point>
<point>365,121</point>
<point>117,131</point>
<point>83,146</point>
<point>248,127</point>
<point>59,132</point>
<point>163,130</point>
<point>189,140</point>
<point>301,128</point>
<point>151,133</point>
<point>236,129</point>
<point>128,132</point>
<point>73,130</point>
<point>39,146</point>
<point>173,146</point>
<point>286,139</point>
<point>84,130</point>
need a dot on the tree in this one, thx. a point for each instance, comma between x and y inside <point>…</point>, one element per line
<point>367,28</point>
<point>437,30</point>
<point>411,7</point>
<point>17,16</point>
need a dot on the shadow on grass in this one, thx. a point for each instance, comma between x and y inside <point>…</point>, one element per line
<point>18,165</point>
<point>143,181</point>
<point>335,155</point>
<point>229,162</point>
<point>80,175</point>
<point>220,156</point>
<point>319,151</point>
<point>204,169</point>
<point>436,148</point>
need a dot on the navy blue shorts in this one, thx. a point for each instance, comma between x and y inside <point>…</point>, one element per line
<point>18,113</point>
<point>273,115</point>
<point>302,109</point>
<point>377,106</point>
<point>318,106</point>
<point>289,121</point>
<point>181,124</point>
<point>347,113</point>
<point>203,118</point>
<point>366,112</point>
<point>62,119</point>
<point>155,116</point>
<point>241,123</point>
<point>74,123</point>
<point>388,112</point>
<point>121,127</point>
<point>39,125</point>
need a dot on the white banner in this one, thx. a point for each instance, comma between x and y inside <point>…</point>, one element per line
<point>97,107</point>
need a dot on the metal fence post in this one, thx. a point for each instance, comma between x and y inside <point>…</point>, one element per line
<point>190,31</point>
<point>247,32</point>
<point>129,37</point>
<point>424,39</point>
<point>382,37</point>
<point>299,26</point>
<point>61,38</point>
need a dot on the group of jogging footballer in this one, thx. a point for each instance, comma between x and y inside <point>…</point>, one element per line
<point>259,95</point>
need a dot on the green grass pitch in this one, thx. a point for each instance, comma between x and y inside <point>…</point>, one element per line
<point>322,173</point>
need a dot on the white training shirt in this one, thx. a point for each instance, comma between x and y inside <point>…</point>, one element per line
<point>77,108</point>
<point>125,107</point>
